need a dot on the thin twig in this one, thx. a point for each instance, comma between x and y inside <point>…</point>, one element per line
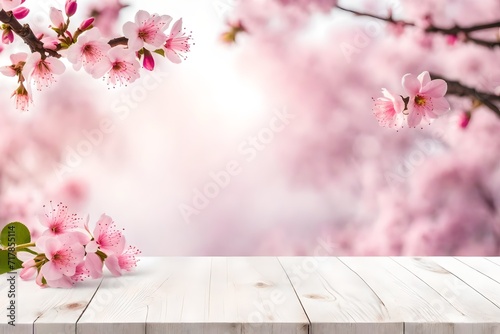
<point>455,30</point>
<point>25,32</point>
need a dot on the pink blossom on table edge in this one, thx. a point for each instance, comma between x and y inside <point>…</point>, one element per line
<point>93,264</point>
<point>106,237</point>
<point>123,261</point>
<point>59,221</point>
<point>426,97</point>
<point>147,30</point>
<point>64,252</point>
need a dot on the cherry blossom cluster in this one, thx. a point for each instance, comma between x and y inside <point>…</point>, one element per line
<point>68,251</point>
<point>118,61</point>
<point>424,101</point>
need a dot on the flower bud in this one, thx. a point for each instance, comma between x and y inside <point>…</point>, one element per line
<point>56,16</point>
<point>20,12</point>
<point>86,24</point>
<point>148,62</point>
<point>70,7</point>
<point>464,119</point>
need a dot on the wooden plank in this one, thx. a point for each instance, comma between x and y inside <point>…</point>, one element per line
<point>495,260</point>
<point>49,310</point>
<point>336,299</point>
<point>121,303</point>
<point>406,297</point>
<point>482,316</point>
<point>236,295</point>
<point>480,273</point>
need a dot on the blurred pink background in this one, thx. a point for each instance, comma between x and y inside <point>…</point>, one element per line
<point>290,112</point>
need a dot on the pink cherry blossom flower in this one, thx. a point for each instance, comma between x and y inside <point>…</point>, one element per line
<point>93,264</point>
<point>90,50</point>
<point>125,261</point>
<point>8,5</point>
<point>18,60</point>
<point>59,221</point>
<point>64,253</point>
<point>50,42</point>
<point>389,110</point>
<point>29,270</point>
<point>427,100</point>
<point>121,67</point>
<point>107,237</point>
<point>42,71</point>
<point>178,43</point>
<point>81,273</point>
<point>147,30</point>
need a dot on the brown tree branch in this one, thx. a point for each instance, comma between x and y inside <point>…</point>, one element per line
<point>458,89</point>
<point>118,41</point>
<point>25,32</point>
<point>455,30</point>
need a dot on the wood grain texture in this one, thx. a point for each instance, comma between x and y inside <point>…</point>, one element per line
<point>407,298</point>
<point>481,315</point>
<point>336,299</point>
<point>229,296</point>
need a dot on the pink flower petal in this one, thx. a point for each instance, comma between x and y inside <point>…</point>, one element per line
<point>113,265</point>
<point>176,28</point>
<point>63,282</point>
<point>435,88</point>
<point>7,71</point>
<point>424,78</point>
<point>50,271</point>
<point>52,245</point>
<point>411,84</point>
<point>414,116</point>
<point>92,247</point>
<point>130,29</point>
<point>141,16</point>
<point>173,56</point>
<point>94,264</point>
<point>440,106</point>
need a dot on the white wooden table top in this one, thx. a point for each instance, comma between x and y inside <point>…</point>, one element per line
<point>306,295</point>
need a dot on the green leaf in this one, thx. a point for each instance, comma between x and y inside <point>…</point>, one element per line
<point>161,52</point>
<point>14,234</point>
<point>9,262</point>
